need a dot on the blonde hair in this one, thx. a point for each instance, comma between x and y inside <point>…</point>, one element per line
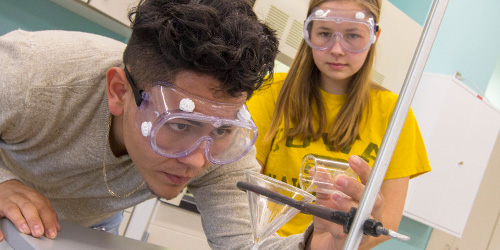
<point>300,94</point>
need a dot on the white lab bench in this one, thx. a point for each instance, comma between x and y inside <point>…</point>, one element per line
<point>152,225</point>
<point>71,236</point>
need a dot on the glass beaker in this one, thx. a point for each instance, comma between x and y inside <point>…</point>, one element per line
<point>267,216</point>
<point>316,174</point>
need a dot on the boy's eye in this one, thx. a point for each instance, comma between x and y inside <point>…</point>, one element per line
<point>178,126</point>
<point>220,132</point>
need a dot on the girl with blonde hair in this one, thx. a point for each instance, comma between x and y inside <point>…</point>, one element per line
<point>327,105</point>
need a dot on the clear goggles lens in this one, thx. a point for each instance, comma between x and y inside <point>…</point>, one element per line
<point>178,123</point>
<point>354,30</point>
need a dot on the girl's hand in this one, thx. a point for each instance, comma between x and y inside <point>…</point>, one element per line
<point>328,235</point>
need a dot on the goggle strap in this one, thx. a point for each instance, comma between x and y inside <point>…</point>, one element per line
<point>137,92</point>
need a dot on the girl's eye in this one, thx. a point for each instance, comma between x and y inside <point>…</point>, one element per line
<point>352,36</point>
<point>325,34</point>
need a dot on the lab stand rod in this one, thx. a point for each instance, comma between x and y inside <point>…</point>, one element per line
<point>396,123</point>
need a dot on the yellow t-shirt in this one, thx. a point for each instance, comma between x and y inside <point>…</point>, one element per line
<point>282,158</point>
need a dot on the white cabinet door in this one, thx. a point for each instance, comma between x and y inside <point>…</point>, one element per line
<point>439,107</point>
<point>469,168</point>
<point>480,230</point>
<point>459,131</point>
<point>177,228</point>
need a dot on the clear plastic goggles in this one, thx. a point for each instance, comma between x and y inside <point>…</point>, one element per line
<point>177,123</point>
<point>355,30</point>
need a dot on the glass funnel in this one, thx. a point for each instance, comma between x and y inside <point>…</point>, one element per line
<point>267,216</point>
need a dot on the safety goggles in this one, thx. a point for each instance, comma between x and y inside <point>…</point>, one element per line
<point>355,30</point>
<point>176,123</point>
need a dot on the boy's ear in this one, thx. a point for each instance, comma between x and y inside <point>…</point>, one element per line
<point>116,90</point>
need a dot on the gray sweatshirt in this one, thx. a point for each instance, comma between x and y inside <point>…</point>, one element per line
<point>53,125</point>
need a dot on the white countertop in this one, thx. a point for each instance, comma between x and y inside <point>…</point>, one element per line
<point>71,236</point>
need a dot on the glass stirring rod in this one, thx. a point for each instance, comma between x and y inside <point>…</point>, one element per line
<point>370,227</point>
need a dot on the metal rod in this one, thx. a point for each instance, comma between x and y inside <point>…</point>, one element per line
<point>396,123</point>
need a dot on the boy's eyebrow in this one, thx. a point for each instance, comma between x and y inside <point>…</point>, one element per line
<point>226,126</point>
<point>199,124</point>
<point>235,116</point>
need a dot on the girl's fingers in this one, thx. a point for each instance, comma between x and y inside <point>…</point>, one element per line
<point>360,167</point>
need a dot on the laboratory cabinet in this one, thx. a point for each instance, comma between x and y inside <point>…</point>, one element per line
<point>482,231</point>
<point>174,223</point>
<point>459,129</point>
<point>177,228</point>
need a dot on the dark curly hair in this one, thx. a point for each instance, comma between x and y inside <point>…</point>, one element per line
<point>220,38</point>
